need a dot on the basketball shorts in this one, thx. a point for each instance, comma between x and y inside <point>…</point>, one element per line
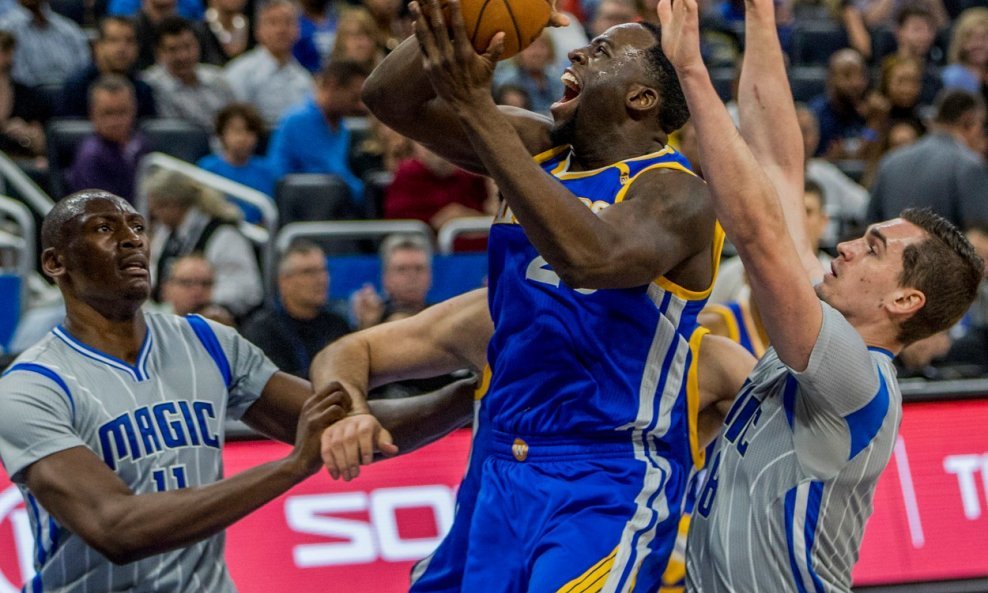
<point>572,516</point>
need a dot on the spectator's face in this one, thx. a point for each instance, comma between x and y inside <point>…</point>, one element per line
<point>974,131</point>
<point>915,36</point>
<point>516,98</point>
<point>974,50</point>
<point>117,51</point>
<point>305,280</point>
<point>356,42</point>
<point>190,285</point>
<point>340,100</point>
<point>179,54</point>
<point>901,134</point>
<point>408,277</point>
<point>848,78</point>
<point>159,9</point>
<point>609,14</point>
<point>816,218</point>
<point>113,114</point>
<point>537,56</point>
<point>277,29</point>
<point>904,85</point>
<point>238,139</point>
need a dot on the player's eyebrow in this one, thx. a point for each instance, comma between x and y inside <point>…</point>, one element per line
<point>874,232</point>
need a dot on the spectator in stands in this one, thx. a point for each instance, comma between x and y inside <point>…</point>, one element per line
<point>194,219</point>
<point>50,47</point>
<point>883,13</point>
<point>901,85</point>
<point>355,39</point>
<point>183,87</point>
<point>406,276</point>
<point>313,137</point>
<point>849,115</point>
<point>429,188</point>
<point>846,199</point>
<point>944,170</point>
<point>610,13</point>
<point>23,112</point>
<point>226,32</point>
<point>968,53</point>
<point>238,127</point>
<point>513,95</point>
<point>971,349</point>
<point>915,32</point>
<point>292,332</point>
<point>151,14</point>
<point>391,22</point>
<point>114,52</point>
<point>268,76</point>
<point>188,285</point>
<point>317,33</point>
<point>190,9</point>
<point>534,70</point>
<point>382,149</point>
<point>108,158</point>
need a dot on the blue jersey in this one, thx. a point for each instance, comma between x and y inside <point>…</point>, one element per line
<point>740,326</point>
<point>582,362</point>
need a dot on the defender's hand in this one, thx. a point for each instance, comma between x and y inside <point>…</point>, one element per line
<point>680,23</point>
<point>318,412</point>
<point>351,442</point>
<point>458,74</point>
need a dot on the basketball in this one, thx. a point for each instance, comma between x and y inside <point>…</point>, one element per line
<point>521,20</point>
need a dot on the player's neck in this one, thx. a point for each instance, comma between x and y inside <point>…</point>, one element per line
<point>878,334</point>
<point>609,147</point>
<point>118,333</point>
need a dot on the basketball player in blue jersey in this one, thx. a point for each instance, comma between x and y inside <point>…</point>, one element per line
<point>600,259</point>
<point>790,484</point>
<point>112,425</point>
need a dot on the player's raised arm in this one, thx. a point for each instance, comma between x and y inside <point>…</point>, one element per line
<point>446,337</point>
<point>399,94</point>
<point>745,200</point>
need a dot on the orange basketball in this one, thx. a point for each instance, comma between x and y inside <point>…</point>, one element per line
<point>521,20</point>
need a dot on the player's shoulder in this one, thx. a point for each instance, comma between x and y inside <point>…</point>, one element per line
<point>42,362</point>
<point>534,129</point>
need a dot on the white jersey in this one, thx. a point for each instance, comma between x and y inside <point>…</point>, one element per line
<point>157,424</point>
<point>790,484</point>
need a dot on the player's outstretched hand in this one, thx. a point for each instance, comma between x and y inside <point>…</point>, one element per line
<point>351,442</point>
<point>680,22</point>
<point>318,412</point>
<point>458,74</point>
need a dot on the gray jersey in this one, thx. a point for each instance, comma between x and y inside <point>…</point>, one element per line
<point>157,424</point>
<point>790,484</point>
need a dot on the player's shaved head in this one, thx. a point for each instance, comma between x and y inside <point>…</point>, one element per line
<point>53,231</point>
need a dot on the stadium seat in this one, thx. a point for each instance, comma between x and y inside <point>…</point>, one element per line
<point>807,82</point>
<point>10,312</point>
<point>63,137</point>
<point>313,196</point>
<point>815,41</point>
<point>452,274</point>
<point>176,137</point>
<point>376,184</point>
<point>51,94</point>
<point>723,79</point>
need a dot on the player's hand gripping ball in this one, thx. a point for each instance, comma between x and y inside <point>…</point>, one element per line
<point>521,20</point>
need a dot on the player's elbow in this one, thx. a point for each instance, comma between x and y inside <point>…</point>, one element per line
<point>380,99</point>
<point>117,550</point>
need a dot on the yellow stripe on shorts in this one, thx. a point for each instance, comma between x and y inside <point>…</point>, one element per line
<point>591,581</point>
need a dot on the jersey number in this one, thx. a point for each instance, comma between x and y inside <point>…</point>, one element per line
<point>743,415</point>
<point>539,271</point>
<point>161,478</point>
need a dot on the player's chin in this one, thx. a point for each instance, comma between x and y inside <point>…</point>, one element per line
<point>564,111</point>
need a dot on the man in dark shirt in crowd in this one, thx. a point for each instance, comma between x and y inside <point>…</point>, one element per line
<point>108,158</point>
<point>114,52</point>
<point>300,325</point>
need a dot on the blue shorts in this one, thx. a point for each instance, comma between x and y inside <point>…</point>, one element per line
<point>572,515</point>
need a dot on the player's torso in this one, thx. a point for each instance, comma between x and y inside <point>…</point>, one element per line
<point>158,424</point>
<point>570,361</point>
<point>775,527</point>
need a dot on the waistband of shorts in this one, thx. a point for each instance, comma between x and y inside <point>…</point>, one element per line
<point>533,448</point>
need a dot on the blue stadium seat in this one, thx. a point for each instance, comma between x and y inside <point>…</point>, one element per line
<point>807,82</point>
<point>10,309</point>
<point>451,274</point>
<point>63,137</point>
<point>175,137</point>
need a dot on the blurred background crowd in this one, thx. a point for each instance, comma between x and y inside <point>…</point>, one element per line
<point>257,104</point>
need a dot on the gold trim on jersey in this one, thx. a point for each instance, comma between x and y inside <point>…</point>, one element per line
<point>727,316</point>
<point>693,398</point>
<point>484,384</point>
<point>693,295</point>
<point>591,581</point>
<point>550,154</point>
<point>562,171</point>
<point>627,183</point>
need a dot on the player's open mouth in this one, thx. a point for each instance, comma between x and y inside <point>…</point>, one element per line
<point>572,87</point>
<point>833,268</point>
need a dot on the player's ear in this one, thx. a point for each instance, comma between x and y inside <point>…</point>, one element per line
<point>52,263</point>
<point>904,302</point>
<point>641,98</point>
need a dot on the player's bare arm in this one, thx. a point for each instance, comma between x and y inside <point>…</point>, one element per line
<point>745,199</point>
<point>664,221</point>
<point>446,337</point>
<point>399,94</point>
<point>723,367</point>
<point>84,494</point>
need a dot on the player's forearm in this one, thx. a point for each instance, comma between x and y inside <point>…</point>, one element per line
<point>134,526</point>
<point>417,421</point>
<point>347,361</point>
<point>575,242</point>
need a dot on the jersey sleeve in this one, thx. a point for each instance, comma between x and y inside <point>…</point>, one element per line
<point>842,399</point>
<point>37,417</point>
<point>249,369</point>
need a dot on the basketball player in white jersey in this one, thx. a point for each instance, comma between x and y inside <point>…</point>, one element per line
<point>791,480</point>
<point>112,425</point>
